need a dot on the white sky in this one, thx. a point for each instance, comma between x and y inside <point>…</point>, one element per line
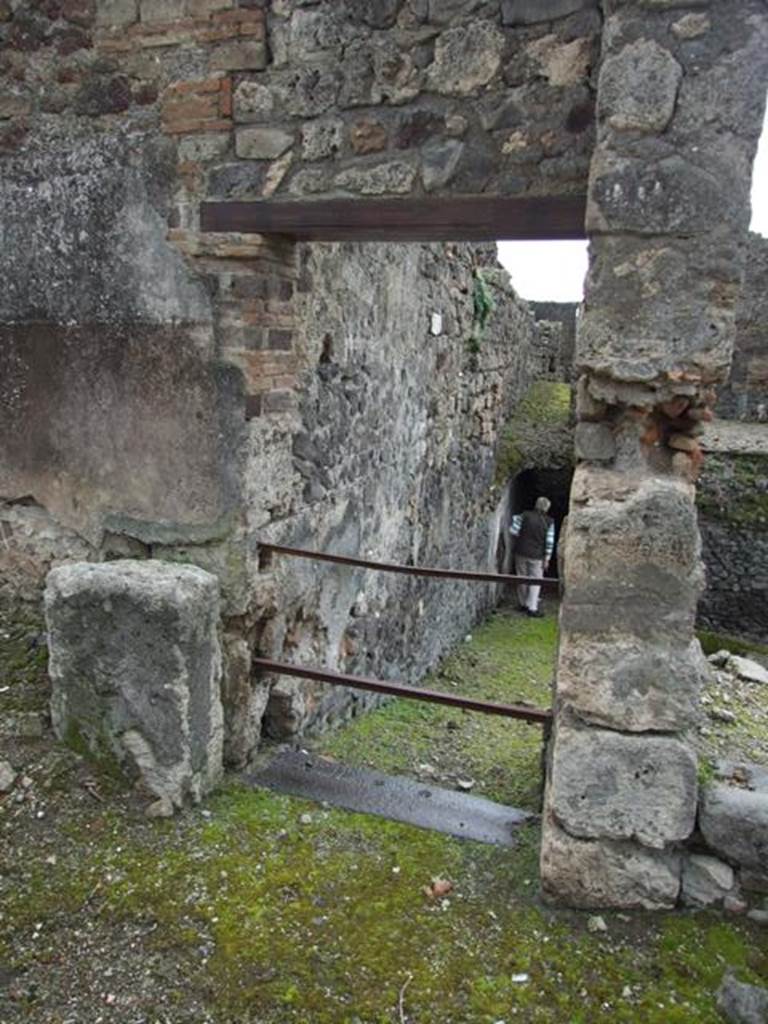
<point>555,271</point>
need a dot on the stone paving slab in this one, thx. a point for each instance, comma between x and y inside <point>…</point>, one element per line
<point>400,799</point>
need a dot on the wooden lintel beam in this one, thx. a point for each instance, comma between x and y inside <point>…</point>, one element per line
<point>463,219</point>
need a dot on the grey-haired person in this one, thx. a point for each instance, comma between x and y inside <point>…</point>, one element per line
<point>534,533</point>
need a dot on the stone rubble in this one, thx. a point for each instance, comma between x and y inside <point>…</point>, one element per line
<point>733,816</point>
<point>741,1003</point>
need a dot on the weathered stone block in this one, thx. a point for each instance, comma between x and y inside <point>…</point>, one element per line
<point>116,13</point>
<point>254,101</point>
<point>135,665</point>
<point>608,785</point>
<point>321,139</point>
<point>262,143</point>
<point>734,819</point>
<point>240,55</point>
<point>466,58</point>
<point>706,880</point>
<point>740,1003</point>
<point>598,874</point>
<point>595,442</point>
<point>530,12</point>
<point>244,702</point>
<point>671,195</point>
<point>638,88</point>
<point>691,26</point>
<point>163,10</point>
<point>395,176</point>
<point>634,536</point>
<point>631,683</point>
<point>440,160</point>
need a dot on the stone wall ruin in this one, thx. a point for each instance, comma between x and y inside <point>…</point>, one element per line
<point>194,383</point>
<point>679,100</point>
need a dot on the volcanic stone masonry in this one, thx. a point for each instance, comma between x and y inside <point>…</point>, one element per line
<point>679,104</point>
<point>176,395</point>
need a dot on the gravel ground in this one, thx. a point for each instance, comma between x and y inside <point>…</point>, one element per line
<point>259,909</point>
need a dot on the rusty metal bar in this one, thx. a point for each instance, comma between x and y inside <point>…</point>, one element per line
<point>412,570</point>
<point>487,707</point>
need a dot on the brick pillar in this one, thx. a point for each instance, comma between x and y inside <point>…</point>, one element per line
<point>255,278</point>
<point>680,98</point>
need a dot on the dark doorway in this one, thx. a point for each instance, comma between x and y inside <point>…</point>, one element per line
<point>531,484</point>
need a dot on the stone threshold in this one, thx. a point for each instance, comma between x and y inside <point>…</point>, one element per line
<point>463,815</point>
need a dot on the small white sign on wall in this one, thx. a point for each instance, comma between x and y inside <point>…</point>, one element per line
<point>436,324</point>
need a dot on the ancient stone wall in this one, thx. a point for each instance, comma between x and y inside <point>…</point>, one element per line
<point>147,342</point>
<point>680,99</point>
<point>745,396</point>
<point>162,395</point>
<point>732,503</point>
<point>390,454</point>
<point>557,325</point>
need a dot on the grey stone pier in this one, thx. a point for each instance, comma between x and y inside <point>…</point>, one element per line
<point>135,664</point>
<point>679,107</point>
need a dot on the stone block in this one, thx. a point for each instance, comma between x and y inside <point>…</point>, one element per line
<point>244,702</point>
<point>706,880</point>
<point>321,139</point>
<point>531,12</point>
<point>630,683</point>
<point>135,665</point>
<point>626,333</point>
<point>467,57</point>
<point>631,555</point>
<point>262,143</point>
<point>393,177</point>
<point>440,160</point>
<point>608,785</point>
<point>368,137</point>
<point>600,874</point>
<point>240,55</point>
<point>116,13</point>
<point>740,1003</point>
<point>671,195</point>
<point>201,148</point>
<point>7,776</point>
<point>163,10</point>
<point>691,26</point>
<point>594,442</point>
<point>254,101</point>
<point>638,88</point>
<point>733,815</point>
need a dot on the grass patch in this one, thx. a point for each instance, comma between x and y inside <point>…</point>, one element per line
<point>511,660</point>
<point>268,916</point>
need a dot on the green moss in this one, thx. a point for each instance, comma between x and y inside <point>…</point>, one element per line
<point>23,661</point>
<point>712,642</point>
<point>281,921</point>
<point>511,659</point>
<point>734,489</point>
<point>539,433</point>
<point>483,306</point>
<point>326,922</point>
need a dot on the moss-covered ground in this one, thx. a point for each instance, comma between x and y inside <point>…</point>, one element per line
<point>264,908</point>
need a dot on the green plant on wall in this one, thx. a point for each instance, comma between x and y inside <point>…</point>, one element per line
<point>482,307</point>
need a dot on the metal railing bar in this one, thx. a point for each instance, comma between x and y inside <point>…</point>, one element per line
<point>521,711</point>
<point>412,570</point>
